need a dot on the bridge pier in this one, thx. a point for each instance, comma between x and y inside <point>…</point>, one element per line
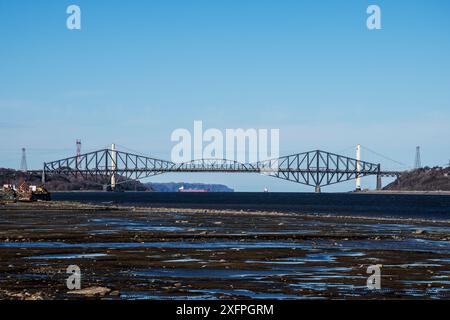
<point>358,168</point>
<point>113,166</point>
<point>379,182</point>
<point>318,189</point>
<point>43,175</point>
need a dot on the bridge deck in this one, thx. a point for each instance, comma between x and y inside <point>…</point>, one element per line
<point>314,168</point>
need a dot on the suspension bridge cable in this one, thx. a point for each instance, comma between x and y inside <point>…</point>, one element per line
<point>385,157</point>
<point>139,153</point>
<point>346,149</point>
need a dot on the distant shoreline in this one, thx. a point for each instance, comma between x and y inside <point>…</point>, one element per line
<point>371,192</point>
<point>405,192</point>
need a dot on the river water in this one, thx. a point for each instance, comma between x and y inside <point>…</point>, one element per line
<point>372,205</point>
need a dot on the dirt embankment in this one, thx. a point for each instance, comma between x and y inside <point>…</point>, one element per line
<point>425,179</point>
<point>65,183</point>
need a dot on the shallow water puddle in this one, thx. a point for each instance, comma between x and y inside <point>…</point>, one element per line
<point>248,294</point>
<point>182,260</point>
<point>214,273</point>
<point>327,256</point>
<point>323,286</point>
<point>153,296</point>
<point>134,225</point>
<point>68,256</point>
<point>419,245</point>
<point>168,244</point>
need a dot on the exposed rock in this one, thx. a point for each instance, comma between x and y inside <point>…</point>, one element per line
<point>22,295</point>
<point>91,291</point>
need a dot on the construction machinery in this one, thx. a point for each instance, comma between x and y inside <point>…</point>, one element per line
<point>24,192</point>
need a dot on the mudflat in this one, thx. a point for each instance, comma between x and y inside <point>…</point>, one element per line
<point>179,253</point>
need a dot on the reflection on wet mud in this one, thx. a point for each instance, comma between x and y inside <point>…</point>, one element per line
<point>159,254</point>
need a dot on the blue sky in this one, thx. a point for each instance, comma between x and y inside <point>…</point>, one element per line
<point>137,70</point>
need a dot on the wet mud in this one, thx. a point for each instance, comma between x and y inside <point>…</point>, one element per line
<point>176,253</point>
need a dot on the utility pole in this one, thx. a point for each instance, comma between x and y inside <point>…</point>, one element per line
<point>417,162</point>
<point>23,163</point>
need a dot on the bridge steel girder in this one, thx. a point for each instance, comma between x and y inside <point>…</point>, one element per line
<point>318,168</point>
<point>314,168</point>
<point>99,164</point>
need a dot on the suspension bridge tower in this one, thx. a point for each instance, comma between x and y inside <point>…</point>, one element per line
<point>23,163</point>
<point>358,167</point>
<point>417,161</point>
<point>113,166</point>
<point>78,152</point>
<point>379,184</point>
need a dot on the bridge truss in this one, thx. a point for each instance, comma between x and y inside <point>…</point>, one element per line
<point>318,168</point>
<point>314,168</point>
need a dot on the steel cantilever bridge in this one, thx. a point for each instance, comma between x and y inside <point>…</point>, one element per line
<point>314,168</point>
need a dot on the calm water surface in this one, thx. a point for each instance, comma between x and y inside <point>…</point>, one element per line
<point>377,205</point>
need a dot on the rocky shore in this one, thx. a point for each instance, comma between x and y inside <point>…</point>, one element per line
<point>165,253</point>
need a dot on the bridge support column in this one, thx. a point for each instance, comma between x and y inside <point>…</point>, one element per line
<point>379,183</point>
<point>318,189</point>
<point>358,168</point>
<point>43,175</point>
<point>113,166</point>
